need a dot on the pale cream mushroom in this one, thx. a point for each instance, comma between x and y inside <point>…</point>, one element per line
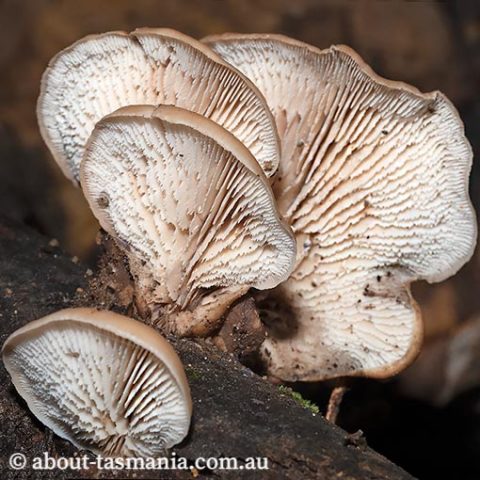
<point>105,382</point>
<point>373,179</point>
<point>192,209</point>
<point>101,73</point>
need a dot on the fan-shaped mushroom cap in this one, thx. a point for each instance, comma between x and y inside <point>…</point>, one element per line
<point>192,208</point>
<point>373,179</point>
<point>101,73</point>
<point>105,382</point>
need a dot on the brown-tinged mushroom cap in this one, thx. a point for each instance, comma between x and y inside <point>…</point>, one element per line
<point>105,382</point>
<point>191,207</point>
<point>101,73</point>
<point>373,179</point>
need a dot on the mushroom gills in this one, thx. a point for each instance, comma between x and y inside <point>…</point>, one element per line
<point>194,207</point>
<point>106,383</point>
<point>101,73</point>
<point>373,179</point>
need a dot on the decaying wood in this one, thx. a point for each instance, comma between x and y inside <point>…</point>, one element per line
<point>236,413</point>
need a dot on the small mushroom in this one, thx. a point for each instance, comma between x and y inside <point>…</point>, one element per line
<point>447,367</point>
<point>192,210</point>
<point>105,382</point>
<point>101,73</point>
<point>373,179</point>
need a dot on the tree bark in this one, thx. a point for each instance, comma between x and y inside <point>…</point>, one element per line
<point>236,413</point>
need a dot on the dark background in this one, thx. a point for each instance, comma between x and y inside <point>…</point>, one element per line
<point>433,45</point>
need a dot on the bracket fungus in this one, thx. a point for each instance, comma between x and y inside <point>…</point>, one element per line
<point>370,174</point>
<point>105,382</point>
<point>373,179</point>
<point>101,73</point>
<point>191,208</point>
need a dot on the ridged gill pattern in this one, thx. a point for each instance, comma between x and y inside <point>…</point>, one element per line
<point>97,75</point>
<point>191,216</point>
<point>373,179</point>
<point>100,391</point>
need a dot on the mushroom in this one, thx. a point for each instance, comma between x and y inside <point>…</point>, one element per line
<point>447,367</point>
<point>191,208</point>
<point>101,73</point>
<point>373,179</point>
<point>105,382</point>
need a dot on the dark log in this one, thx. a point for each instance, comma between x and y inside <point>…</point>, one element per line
<point>236,413</point>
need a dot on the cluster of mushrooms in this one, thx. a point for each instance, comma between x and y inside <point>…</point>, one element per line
<point>240,162</point>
